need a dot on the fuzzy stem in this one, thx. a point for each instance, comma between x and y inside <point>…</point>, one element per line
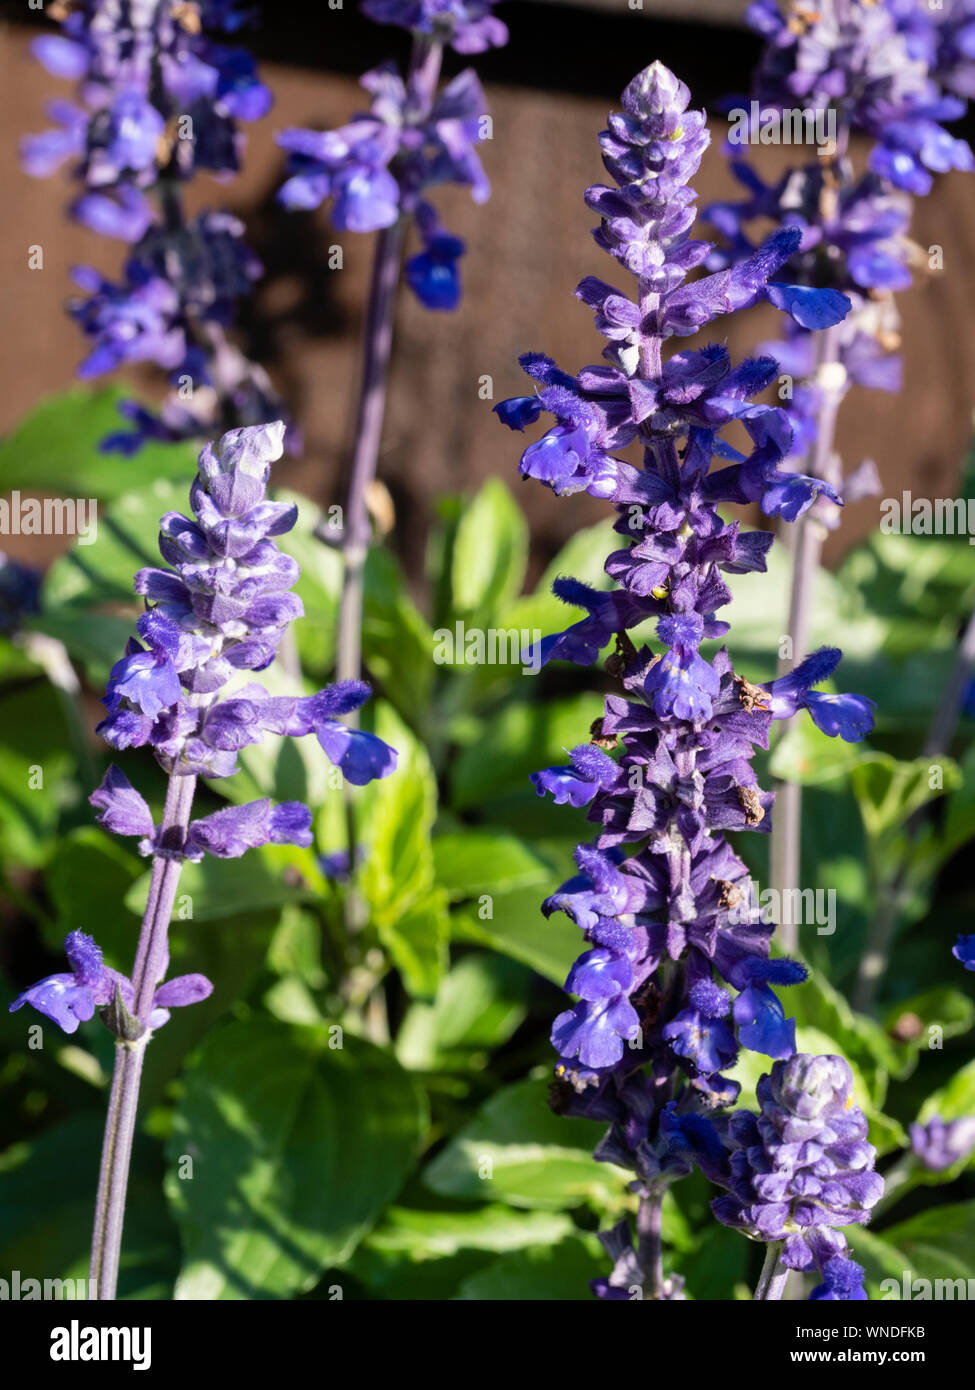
<point>785,856</point>
<point>152,959</point>
<point>649,1243</point>
<point>377,346</point>
<point>772,1280</point>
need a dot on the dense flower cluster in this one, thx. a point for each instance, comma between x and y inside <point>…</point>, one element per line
<point>377,168</point>
<point>880,70</point>
<point>799,1170</point>
<point>677,974</point>
<point>160,97</point>
<point>217,611</point>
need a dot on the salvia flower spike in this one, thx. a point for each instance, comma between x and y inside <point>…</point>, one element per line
<point>215,613</point>
<point>676,976</point>
<point>160,98</point>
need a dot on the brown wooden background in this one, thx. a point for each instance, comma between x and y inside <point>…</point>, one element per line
<point>549,93</point>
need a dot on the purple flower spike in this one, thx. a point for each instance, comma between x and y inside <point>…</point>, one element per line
<point>159,98</point>
<point>802,1169</point>
<point>218,611</point>
<point>676,974</point>
<point>378,168</point>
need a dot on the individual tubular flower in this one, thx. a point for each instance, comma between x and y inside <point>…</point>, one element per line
<point>939,1144</point>
<point>801,1169</point>
<point>218,612</point>
<point>160,98</point>
<point>378,168</point>
<point>71,998</point>
<point>675,977</point>
<point>964,951</point>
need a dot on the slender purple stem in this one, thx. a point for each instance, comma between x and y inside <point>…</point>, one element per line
<point>772,1280</point>
<point>151,962</point>
<point>649,1224</point>
<point>785,851</point>
<point>377,345</point>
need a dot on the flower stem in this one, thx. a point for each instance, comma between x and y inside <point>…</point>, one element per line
<point>785,850</point>
<point>772,1280</point>
<point>649,1244</point>
<point>151,962</point>
<point>377,346</point>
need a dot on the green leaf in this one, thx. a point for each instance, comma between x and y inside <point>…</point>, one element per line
<point>417,941</point>
<point>521,739</point>
<point>553,1273</point>
<point>218,888</point>
<point>517,928</point>
<point>942,1008</point>
<point>938,1243</point>
<point>955,1100</point>
<point>879,1258</point>
<point>426,1254</point>
<point>87,882</point>
<point>55,450</point>
<point>478,1006</point>
<point>397,643</point>
<point>582,557</point>
<point>484,860</point>
<point>36,772</point>
<point>296,1148</point>
<point>889,792</point>
<point>490,551</point>
<point>516,1150</point>
<point>806,755</point>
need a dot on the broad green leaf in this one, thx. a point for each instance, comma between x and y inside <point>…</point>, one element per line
<point>516,1150</point>
<point>55,450</point>
<point>87,881</point>
<point>426,1254</point>
<point>955,1100</point>
<point>552,1273</point>
<point>880,1260</point>
<point>478,1006</point>
<point>490,551</point>
<point>485,860</point>
<point>523,738</point>
<point>582,557</point>
<point>417,941</point>
<point>37,769</point>
<point>804,754</point>
<point>513,924</point>
<point>397,642</point>
<point>889,792</point>
<point>296,1146</point>
<point>396,879</point>
<point>938,1244</point>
